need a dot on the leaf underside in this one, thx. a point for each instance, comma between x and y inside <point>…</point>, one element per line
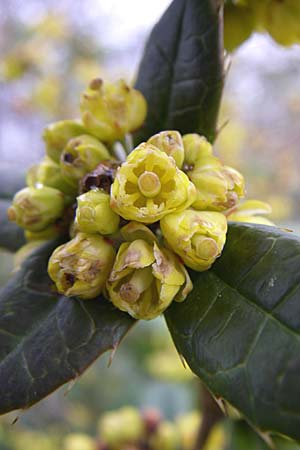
<point>239,329</point>
<point>47,340</point>
<point>181,73</point>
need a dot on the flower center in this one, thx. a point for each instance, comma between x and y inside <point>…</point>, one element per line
<point>149,184</point>
<point>206,248</point>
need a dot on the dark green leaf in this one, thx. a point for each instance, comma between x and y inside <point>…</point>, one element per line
<point>181,73</point>
<point>12,178</point>
<point>11,236</point>
<point>46,339</point>
<point>239,329</point>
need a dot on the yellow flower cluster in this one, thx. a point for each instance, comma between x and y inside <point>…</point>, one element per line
<point>134,224</point>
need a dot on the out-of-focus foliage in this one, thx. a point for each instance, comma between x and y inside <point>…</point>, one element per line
<point>279,18</point>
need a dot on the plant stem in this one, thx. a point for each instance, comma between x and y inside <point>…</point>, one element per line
<point>211,414</point>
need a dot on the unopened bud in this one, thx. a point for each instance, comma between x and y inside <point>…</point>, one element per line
<point>197,237</point>
<point>171,143</point>
<point>94,214</point>
<point>36,208</point>
<point>81,266</point>
<point>109,111</point>
<point>48,173</point>
<point>218,187</point>
<point>57,135</point>
<point>81,155</point>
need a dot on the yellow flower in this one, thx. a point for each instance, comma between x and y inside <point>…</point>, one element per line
<point>171,143</point>
<point>94,214</point>
<point>148,186</point>
<point>109,111</point>
<point>146,278</point>
<point>197,237</point>
<point>218,187</point>
<point>250,211</point>
<point>81,266</point>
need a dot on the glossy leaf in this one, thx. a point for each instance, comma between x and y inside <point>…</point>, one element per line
<point>11,235</point>
<point>181,73</point>
<point>47,339</point>
<point>239,329</point>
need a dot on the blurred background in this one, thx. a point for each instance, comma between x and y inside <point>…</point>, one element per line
<point>48,53</point>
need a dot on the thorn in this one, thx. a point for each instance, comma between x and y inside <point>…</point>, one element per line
<point>221,128</point>
<point>183,361</point>
<point>266,437</point>
<point>70,386</point>
<point>15,420</point>
<point>112,355</point>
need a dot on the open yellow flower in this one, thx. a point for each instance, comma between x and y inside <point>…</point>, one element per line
<point>146,278</point>
<point>81,266</point>
<point>251,211</point>
<point>149,185</point>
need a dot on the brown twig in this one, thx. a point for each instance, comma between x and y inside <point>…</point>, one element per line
<point>211,414</point>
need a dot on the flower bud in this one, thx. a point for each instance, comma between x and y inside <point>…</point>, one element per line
<point>109,111</point>
<point>94,214</point>
<point>81,155</point>
<point>197,237</point>
<point>48,173</point>
<point>51,232</point>
<point>57,135</point>
<point>195,146</point>
<point>250,211</point>
<point>171,143</point>
<point>148,185</point>
<point>166,437</point>
<point>122,427</point>
<point>36,208</point>
<point>146,278</point>
<point>81,266</point>
<point>218,187</point>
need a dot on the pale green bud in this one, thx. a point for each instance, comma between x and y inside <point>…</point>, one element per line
<point>171,143</point>
<point>81,266</point>
<point>197,237</point>
<point>149,185</point>
<point>120,428</point>
<point>36,208</point>
<point>81,155</point>
<point>51,232</point>
<point>48,173</point>
<point>94,214</point>
<point>146,278</point>
<point>239,22</point>
<point>218,187</point>
<point>109,111</point>
<point>57,135</point>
